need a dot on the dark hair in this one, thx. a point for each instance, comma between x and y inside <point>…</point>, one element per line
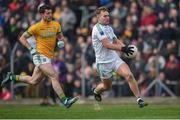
<point>98,10</point>
<point>42,8</point>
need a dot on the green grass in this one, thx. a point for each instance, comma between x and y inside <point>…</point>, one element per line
<point>89,111</point>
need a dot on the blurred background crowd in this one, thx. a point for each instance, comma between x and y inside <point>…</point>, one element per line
<point>152,25</point>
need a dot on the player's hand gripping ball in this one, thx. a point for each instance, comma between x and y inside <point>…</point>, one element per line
<point>133,52</point>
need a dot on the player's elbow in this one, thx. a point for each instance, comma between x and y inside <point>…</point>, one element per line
<point>21,39</point>
<point>106,43</point>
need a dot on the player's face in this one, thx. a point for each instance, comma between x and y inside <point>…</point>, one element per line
<point>103,17</point>
<point>47,15</point>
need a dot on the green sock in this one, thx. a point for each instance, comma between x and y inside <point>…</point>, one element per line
<point>62,97</point>
<point>14,77</point>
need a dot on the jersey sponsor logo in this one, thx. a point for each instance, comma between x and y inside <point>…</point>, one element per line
<point>101,32</point>
<point>54,27</point>
<point>48,34</point>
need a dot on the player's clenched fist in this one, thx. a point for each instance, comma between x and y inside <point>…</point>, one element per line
<point>127,50</point>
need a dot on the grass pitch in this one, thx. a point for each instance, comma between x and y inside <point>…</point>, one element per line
<point>90,111</point>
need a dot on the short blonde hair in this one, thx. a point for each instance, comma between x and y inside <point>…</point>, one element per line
<point>98,10</point>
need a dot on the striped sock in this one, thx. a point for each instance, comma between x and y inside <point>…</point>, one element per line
<point>62,97</point>
<point>14,77</point>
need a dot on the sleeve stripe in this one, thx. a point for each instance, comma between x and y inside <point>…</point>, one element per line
<point>99,29</point>
<point>28,33</point>
<point>114,38</point>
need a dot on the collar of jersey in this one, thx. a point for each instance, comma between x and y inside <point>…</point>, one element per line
<point>44,22</point>
<point>101,24</point>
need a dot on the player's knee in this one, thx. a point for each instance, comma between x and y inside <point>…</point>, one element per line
<point>129,77</point>
<point>107,86</point>
<point>54,76</point>
<point>34,82</point>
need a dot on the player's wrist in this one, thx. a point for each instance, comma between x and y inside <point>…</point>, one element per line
<point>124,48</point>
<point>32,50</point>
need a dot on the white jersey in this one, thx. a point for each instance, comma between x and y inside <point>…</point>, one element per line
<point>99,32</point>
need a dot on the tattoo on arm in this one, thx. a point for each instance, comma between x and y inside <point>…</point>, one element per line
<point>23,39</point>
<point>27,35</point>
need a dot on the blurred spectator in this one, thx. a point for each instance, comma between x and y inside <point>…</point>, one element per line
<point>162,78</point>
<point>148,17</point>
<point>104,2</point>
<point>89,53</point>
<point>118,27</point>
<point>150,36</point>
<point>57,13</point>
<point>68,85</point>
<point>134,12</point>
<point>6,94</point>
<point>130,31</point>
<point>68,21</point>
<point>4,48</point>
<point>172,72</point>
<point>77,88</point>
<point>119,11</point>
<point>154,5</point>
<point>137,65</point>
<point>170,48</point>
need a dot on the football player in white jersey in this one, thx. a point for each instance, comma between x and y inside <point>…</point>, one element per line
<point>105,44</point>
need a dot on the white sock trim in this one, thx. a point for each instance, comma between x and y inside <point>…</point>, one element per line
<point>95,91</point>
<point>139,99</point>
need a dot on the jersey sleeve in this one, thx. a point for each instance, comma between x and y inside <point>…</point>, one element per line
<point>32,30</point>
<point>100,32</point>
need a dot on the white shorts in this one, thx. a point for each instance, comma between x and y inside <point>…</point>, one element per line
<point>105,70</point>
<point>40,59</point>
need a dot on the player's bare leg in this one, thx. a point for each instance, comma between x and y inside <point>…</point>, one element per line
<point>49,71</point>
<point>101,87</point>
<point>33,80</point>
<point>127,74</point>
